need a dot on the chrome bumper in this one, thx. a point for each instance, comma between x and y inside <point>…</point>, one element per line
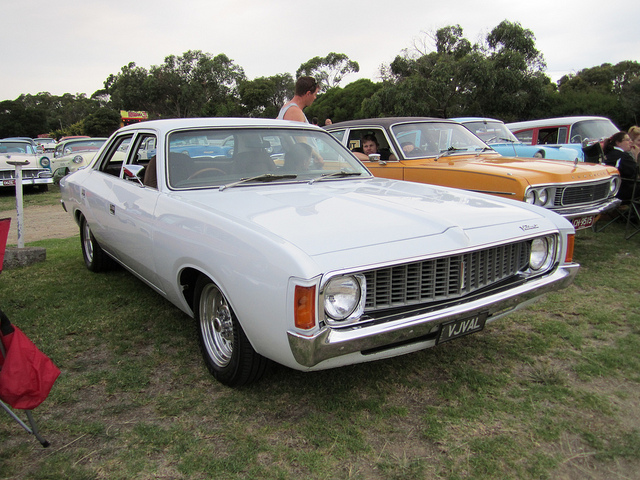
<point>575,212</point>
<point>329,342</point>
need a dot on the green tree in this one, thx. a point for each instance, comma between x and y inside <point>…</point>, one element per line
<point>102,123</point>
<point>341,104</point>
<point>329,70</point>
<point>502,78</point>
<point>263,96</point>
<point>609,90</point>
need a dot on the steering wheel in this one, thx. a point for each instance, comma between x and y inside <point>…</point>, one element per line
<point>205,170</point>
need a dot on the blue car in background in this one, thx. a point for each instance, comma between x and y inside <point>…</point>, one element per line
<point>496,134</point>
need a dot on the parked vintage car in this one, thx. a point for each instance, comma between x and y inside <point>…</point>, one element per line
<point>577,133</point>
<point>47,144</point>
<point>443,152</point>
<point>73,154</point>
<point>495,134</point>
<point>33,173</point>
<point>304,258</point>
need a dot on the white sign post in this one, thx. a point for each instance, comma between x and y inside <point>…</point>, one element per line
<point>19,206</point>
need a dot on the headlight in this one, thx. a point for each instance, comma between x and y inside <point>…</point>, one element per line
<point>543,196</point>
<point>542,253</point>
<point>614,185</point>
<point>530,196</point>
<point>343,296</point>
<point>537,196</point>
<point>44,161</point>
<point>78,159</point>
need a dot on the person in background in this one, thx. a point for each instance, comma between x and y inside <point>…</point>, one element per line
<point>328,122</point>
<point>617,154</point>
<point>314,120</point>
<point>305,93</point>
<point>634,134</point>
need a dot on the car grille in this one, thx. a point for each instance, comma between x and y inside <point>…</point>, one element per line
<point>444,278</point>
<point>581,194</point>
<point>26,174</point>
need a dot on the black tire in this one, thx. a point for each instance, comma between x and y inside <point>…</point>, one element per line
<point>227,352</point>
<point>94,257</point>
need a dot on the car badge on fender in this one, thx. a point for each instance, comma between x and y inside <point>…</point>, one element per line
<point>525,228</point>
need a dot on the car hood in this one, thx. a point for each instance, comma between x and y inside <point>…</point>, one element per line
<point>343,215</point>
<point>533,171</point>
<point>19,157</point>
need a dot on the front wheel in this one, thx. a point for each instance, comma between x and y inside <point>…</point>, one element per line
<point>94,257</point>
<point>226,349</point>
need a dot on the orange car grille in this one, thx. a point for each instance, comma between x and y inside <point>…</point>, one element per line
<point>581,194</point>
<point>443,278</point>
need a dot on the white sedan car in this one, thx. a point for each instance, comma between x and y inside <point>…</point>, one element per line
<point>284,247</point>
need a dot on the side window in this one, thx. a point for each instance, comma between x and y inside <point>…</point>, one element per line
<point>339,134</point>
<point>525,136</point>
<point>145,149</point>
<point>115,156</point>
<point>548,136</point>
<point>358,138</point>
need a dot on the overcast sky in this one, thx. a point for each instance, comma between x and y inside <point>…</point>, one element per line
<point>73,46</point>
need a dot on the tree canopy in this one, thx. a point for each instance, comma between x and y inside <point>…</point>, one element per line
<point>501,76</point>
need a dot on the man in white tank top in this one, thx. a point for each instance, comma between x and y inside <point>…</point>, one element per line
<point>305,93</point>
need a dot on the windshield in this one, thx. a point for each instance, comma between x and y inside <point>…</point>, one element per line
<point>17,147</point>
<point>78,146</point>
<point>592,130</point>
<point>248,156</point>
<point>492,132</point>
<point>422,139</point>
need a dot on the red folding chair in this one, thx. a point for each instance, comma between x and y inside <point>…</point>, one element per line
<point>5,223</point>
<point>26,374</point>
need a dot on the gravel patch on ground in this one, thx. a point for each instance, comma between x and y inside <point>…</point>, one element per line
<point>41,223</point>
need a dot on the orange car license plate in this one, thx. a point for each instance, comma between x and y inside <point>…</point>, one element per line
<point>583,222</point>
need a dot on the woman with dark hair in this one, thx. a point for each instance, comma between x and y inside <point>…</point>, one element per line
<point>616,151</point>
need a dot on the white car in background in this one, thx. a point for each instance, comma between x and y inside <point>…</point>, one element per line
<point>299,255</point>
<point>33,172</point>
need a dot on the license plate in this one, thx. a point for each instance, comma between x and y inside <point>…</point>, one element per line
<point>583,222</point>
<point>462,327</point>
<point>8,183</point>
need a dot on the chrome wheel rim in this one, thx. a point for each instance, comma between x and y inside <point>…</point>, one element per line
<point>87,244</point>
<point>216,325</point>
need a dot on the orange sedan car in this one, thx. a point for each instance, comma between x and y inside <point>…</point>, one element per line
<point>444,152</point>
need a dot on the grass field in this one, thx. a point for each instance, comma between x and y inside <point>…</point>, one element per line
<point>550,392</point>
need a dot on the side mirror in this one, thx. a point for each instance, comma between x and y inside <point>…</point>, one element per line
<point>133,172</point>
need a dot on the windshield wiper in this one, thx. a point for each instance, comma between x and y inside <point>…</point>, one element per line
<point>340,173</point>
<point>449,150</point>
<point>265,177</point>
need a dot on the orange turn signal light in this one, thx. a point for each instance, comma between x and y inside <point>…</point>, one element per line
<point>570,242</point>
<point>305,307</point>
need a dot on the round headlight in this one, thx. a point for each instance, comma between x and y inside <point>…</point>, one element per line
<point>78,159</point>
<point>543,196</point>
<point>530,196</point>
<point>341,297</point>
<point>614,185</point>
<point>45,162</point>
<point>541,253</point>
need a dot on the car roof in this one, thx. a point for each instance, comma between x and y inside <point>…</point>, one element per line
<point>215,122</point>
<point>385,122</point>
<point>475,119</point>
<point>550,122</point>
